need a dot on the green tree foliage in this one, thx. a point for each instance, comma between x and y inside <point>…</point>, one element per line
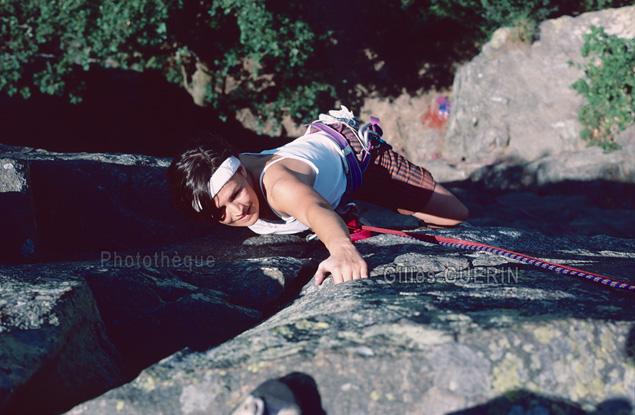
<point>43,42</point>
<point>272,56</point>
<point>270,60</point>
<point>229,53</point>
<point>608,86</point>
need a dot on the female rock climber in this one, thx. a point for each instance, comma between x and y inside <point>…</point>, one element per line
<point>299,185</point>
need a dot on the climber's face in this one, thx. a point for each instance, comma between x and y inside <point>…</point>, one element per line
<point>237,201</point>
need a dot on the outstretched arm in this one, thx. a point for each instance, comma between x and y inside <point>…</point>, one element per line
<point>344,263</point>
<point>292,194</point>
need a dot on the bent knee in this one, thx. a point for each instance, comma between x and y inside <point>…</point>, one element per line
<point>463,214</point>
<point>448,222</point>
<point>449,219</point>
<point>455,216</point>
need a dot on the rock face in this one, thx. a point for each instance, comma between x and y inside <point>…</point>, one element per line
<point>515,101</point>
<point>19,239</point>
<point>436,331</point>
<point>84,203</point>
<point>51,332</point>
<point>71,331</point>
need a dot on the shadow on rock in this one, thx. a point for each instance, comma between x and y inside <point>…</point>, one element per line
<point>523,402</point>
<point>630,347</point>
<point>293,394</point>
<point>567,207</point>
<point>152,313</point>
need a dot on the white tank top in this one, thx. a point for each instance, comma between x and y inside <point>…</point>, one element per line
<point>327,161</point>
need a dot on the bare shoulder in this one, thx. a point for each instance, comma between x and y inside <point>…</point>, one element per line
<point>291,170</point>
<point>288,185</point>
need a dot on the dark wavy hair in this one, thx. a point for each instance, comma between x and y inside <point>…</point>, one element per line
<point>189,174</point>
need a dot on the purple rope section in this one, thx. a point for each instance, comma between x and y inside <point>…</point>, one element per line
<point>476,246</point>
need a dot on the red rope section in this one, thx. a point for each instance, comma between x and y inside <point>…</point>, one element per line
<point>477,246</point>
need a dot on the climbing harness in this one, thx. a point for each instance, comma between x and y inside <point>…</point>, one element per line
<point>354,170</point>
<point>359,232</point>
<point>369,136</point>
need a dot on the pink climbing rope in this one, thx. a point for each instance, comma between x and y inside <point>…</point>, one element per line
<point>357,229</point>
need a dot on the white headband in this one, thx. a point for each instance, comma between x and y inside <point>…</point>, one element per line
<point>220,177</point>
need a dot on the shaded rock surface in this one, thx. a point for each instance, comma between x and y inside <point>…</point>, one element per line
<point>71,331</point>
<point>582,166</point>
<point>86,203</point>
<point>19,238</point>
<point>435,331</point>
<point>53,343</point>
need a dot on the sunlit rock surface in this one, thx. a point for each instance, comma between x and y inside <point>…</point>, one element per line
<point>435,330</point>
